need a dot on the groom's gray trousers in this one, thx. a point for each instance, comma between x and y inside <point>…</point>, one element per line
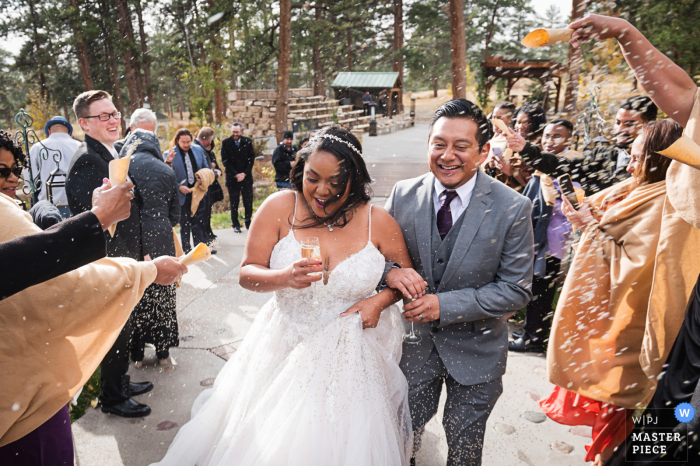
<point>466,410</point>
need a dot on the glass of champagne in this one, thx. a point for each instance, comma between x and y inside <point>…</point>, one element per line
<point>411,338</point>
<point>311,249</point>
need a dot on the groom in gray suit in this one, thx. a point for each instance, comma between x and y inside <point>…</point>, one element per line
<point>470,238</point>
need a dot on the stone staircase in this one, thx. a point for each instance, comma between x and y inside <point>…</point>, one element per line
<point>305,114</point>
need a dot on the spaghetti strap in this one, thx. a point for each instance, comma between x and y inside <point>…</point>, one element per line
<point>370,223</point>
<point>294,215</point>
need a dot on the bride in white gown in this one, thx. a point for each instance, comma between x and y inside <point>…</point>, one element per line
<point>309,386</point>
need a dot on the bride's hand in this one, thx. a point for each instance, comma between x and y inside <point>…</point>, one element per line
<point>407,281</point>
<point>298,273</point>
<point>369,310</point>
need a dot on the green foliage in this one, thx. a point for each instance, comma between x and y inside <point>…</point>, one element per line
<point>91,390</point>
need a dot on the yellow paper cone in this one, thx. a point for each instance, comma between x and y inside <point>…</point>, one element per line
<point>198,254</point>
<point>685,151</point>
<point>544,37</point>
<point>502,126</point>
<point>118,170</point>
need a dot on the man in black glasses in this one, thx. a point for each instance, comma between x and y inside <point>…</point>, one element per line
<point>100,120</point>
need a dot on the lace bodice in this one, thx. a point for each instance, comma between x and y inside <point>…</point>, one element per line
<point>352,280</point>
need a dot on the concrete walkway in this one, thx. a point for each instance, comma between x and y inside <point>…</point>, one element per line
<point>215,314</point>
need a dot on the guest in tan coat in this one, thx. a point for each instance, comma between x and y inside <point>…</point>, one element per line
<point>634,257</point>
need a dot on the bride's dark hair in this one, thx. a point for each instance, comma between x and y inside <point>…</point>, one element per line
<point>353,171</point>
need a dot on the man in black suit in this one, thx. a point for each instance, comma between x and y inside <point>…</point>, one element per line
<point>238,157</point>
<point>100,121</point>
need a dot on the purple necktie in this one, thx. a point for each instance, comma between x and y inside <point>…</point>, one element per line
<point>444,215</point>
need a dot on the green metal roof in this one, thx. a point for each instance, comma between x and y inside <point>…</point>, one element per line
<point>368,80</point>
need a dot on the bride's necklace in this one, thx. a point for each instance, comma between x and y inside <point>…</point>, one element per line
<point>329,225</point>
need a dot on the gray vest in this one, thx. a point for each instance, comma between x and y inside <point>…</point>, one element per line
<point>442,249</point>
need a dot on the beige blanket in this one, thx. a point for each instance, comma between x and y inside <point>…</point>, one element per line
<point>629,283</point>
<point>205,177</point>
<point>55,334</point>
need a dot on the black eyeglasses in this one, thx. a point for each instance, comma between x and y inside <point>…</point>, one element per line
<point>106,116</point>
<point>5,172</point>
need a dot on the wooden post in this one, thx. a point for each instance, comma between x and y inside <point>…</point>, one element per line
<point>459,50</point>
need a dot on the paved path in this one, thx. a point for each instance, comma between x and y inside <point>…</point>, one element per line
<point>215,313</point>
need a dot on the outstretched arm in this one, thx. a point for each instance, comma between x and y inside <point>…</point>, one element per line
<point>669,86</point>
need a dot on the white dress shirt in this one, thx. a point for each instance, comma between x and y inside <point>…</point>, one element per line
<point>460,203</point>
<point>55,143</point>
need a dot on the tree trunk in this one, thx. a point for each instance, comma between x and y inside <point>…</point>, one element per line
<point>81,47</point>
<point>435,86</point>
<point>219,104</point>
<point>109,51</point>
<point>316,56</point>
<point>397,44</point>
<point>575,61</point>
<point>349,38</point>
<point>37,47</point>
<point>490,35</point>
<point>283,65</point>
<point>459,50</point>
<point>145,59</point>
<point>133,81</point>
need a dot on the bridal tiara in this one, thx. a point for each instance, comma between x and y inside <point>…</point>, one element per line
<point>335,138</point>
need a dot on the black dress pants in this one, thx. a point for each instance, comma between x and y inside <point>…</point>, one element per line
<point>536,326</point>
<point>235,190</point>
<point>114,382</point>
<point>192,223</point>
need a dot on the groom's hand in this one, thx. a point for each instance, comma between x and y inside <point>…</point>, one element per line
<point>407,281</point>
<point>425,309</point>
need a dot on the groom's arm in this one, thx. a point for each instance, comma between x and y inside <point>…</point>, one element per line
<point>509,291</point>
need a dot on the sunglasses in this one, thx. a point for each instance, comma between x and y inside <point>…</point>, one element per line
<point>5,172</point>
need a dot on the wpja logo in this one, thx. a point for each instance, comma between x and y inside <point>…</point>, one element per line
<point>685,412</point>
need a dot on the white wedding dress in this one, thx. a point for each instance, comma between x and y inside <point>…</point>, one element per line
<point>307,387</point>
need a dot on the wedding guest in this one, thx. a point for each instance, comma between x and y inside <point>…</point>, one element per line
<point>205,140</point>
<point>35,424</point>
<point>154,319</point>
<point>676,94</point>
<point>53,154</point>
<point>100,120</point>
<point>283,159</point>
<point>529,123</point>
<point>596,356</point>
<point>238,157</point>
<point>552,236</point>
<point>187,159</point>
<point>504,111</point>
<point>605,164</point>
<point>303,143</point>
<point>143,118</point>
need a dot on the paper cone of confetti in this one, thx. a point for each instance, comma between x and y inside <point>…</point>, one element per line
<point>198,254</point>
<point>178,247</point>
<point>544,37</point>
<point>118,170</point>
<point>685,151</point>
<point>502,126</point>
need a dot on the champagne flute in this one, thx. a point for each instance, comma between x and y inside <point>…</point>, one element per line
<point>311,249</point>
<point>411,338</point>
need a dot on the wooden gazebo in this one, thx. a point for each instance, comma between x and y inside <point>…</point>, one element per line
<point>386,88</point>
<point>544,71</point>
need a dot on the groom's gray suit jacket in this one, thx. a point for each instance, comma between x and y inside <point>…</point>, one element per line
<point>482,274</point>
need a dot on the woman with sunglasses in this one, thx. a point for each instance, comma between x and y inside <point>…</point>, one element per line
<point>10,161</point>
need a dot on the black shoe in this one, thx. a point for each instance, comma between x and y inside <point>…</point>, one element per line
<point>213,251</point>
<point>413,462</point>
<point>522,346</point>
<point>516,335</point>
<point>237,229</point>
<point>128,408</point>
<point>139,388</point>
<point>247,224</point>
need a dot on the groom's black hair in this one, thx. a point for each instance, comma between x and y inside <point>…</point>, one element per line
<point>462,108</point>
